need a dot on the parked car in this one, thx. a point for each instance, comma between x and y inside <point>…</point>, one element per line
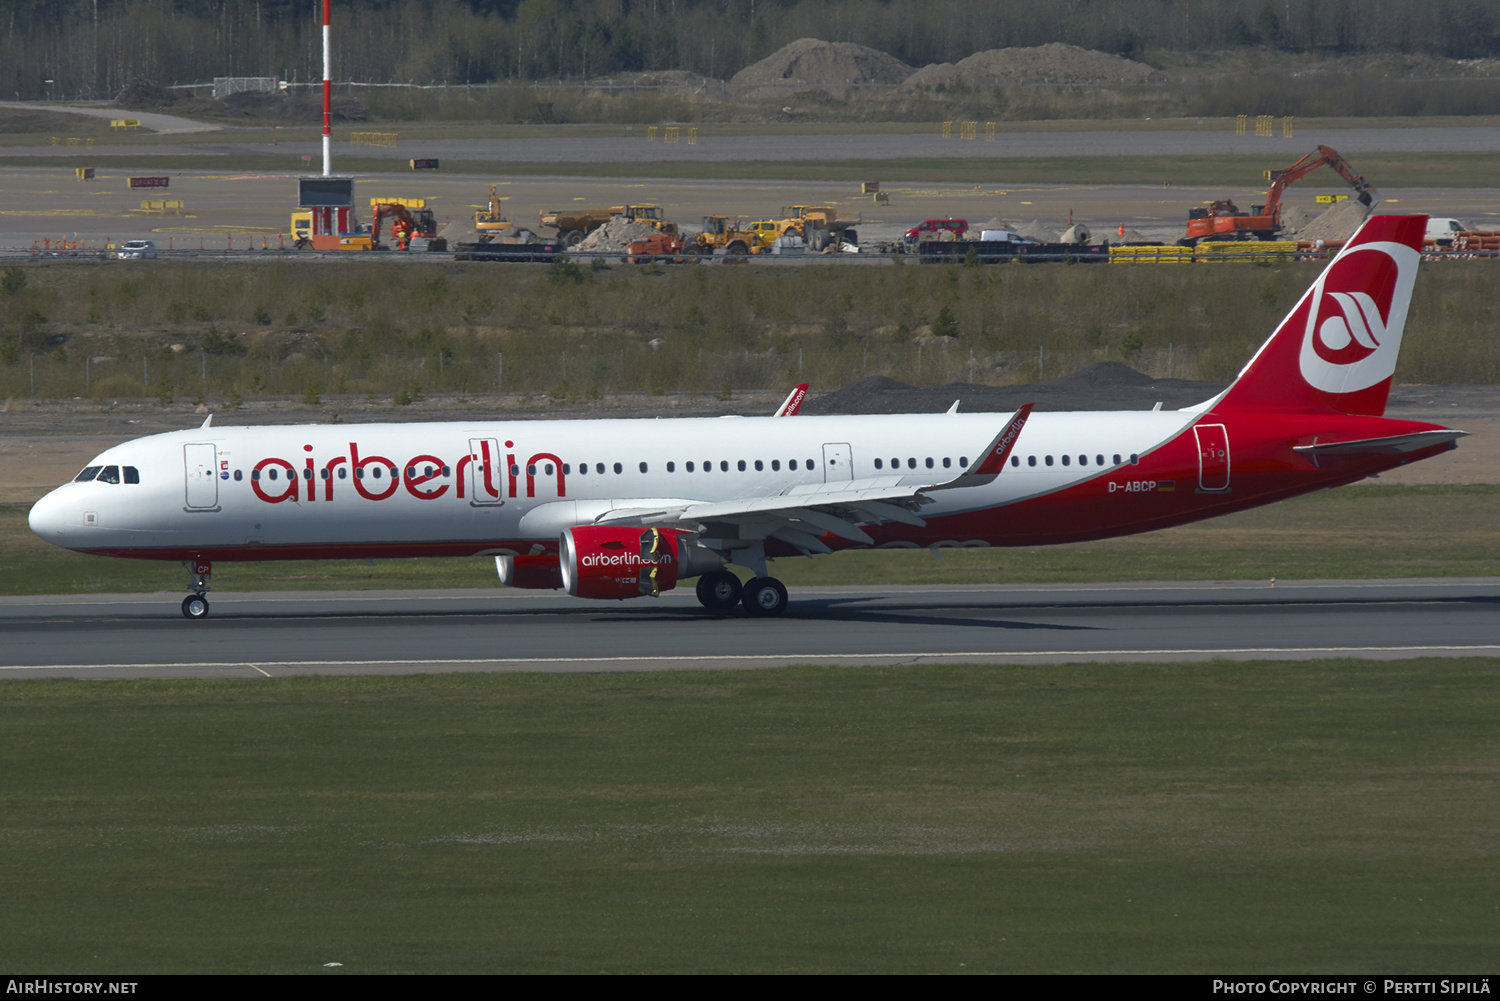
<point>134,250</point>
<point>936,229</point>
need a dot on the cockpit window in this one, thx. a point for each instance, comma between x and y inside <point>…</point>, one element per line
<point>109,474</point>
<point>89,472</point>
<point>132,475</point>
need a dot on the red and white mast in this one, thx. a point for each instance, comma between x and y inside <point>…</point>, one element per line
<point>327,95</point>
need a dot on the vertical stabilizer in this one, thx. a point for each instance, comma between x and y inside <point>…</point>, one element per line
<point>1337,349</point>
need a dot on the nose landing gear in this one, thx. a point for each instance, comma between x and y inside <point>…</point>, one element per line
<point>195,605</point>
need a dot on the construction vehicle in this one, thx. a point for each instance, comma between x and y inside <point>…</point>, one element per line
<point>669,246</point>
<point>412,219</point>
<point>573,225</point>
<point>1223,219</point>
<point>719,234</point>
<point>819,226</point>
<point>490,223</point>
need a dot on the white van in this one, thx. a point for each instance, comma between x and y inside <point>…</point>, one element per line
<point>1443,230</point>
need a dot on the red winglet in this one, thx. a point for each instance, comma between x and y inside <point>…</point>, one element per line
<point>999,450</point>
<point>793,402</point>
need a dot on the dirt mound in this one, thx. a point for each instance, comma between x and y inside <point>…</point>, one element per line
<point>1293,218</point>
<point>1039,231</point>
<point>1051,63</point>
<point>614,236</point>
<point>1104,385</point>
<point>139,94</point>
<point>1338,223</point>
<point>251,105</point>
<point>821,64</point>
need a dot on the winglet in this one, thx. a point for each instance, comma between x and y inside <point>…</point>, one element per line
<point>793,402</point>
<point>206,422</point>
<point>995,454</point>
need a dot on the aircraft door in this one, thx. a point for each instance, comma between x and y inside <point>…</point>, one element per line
<point>486,472</point>
<point>1213,457</point>
<point>202,476</point>
<point>838,463</point>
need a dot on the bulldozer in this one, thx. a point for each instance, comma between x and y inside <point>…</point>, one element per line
<point>573,225</point>
<point>1223,220</point>
<point>718,233</point>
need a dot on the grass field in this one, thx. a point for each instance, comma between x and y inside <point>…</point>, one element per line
<point>1395,170</point>
<point>1353,532</point>
<point>1329,816</point>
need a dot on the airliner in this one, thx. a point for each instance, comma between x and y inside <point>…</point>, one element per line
<point>614,509</point>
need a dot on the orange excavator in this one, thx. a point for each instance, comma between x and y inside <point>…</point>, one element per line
<point>404,225</point>
<point>1223,220</point>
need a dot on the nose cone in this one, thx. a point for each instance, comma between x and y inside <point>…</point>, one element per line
<point>48,518</point>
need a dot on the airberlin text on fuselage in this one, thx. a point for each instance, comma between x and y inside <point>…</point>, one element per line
<point>376,477</point>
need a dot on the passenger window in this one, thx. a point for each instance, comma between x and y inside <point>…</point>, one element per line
<point>132,475</point>
<point>1135,460</point>
<point>412,471</point>
<point>255,474</point>
<point>963,462</point>
<point>688,466</point>
<point>724,465</point>
<point>911,463</point>
<point>895,463</point>
<point>272,471</point>
<point>599,468</point>
<point>811,464</point>
<point>1065,460</point>
<point>583,469</point>
<point>1098,460</point>
<point>643,467</point>
<point>929,462</point>
<point>759,466</point>
<point>708,467</point>
<point>671,467</point>
<point>109,474</point>
<point>1117,458</point>
<point>447,471</point>
<point>947,462</point>
<point>742,465</point>
<point>307,474</point>
<point>792,465</point>
<point>343,473</point>
<point>377,471</point>
<point>530,469</point>
<point>1083,460</point>
<point>89,472</point>
<point>1031,460</point>
<point>878,464</point>
<point>1015,460</point>
<point>1048,460</point>
<point>325,474</point>
<point>619,469</point>
<point>239,474</point>
<point>393,472</point>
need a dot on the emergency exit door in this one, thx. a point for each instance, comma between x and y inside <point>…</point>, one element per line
<point>1213,457</point>
<point>486,471</point>
<point>838,463</point>
<point>202,476</point>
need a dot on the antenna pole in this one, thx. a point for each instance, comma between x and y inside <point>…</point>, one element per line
<point>327,95</point>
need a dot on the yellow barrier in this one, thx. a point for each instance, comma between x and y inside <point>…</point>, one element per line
<point>124,123</point>
<point>968,130</point>
<point>1260,250</point>
<point>406,203</point>
<point>84,173</point>
<point>1330,199</point>
<point>692,137</point>
<point>672,133</point>
<point>1151,255</point>
<point>651,133</point>
<point>1239,125</point>
<point>1286,126</point>
<point>989,132</point>
<point>73,142</point>
<point>373,138</point>
<point>947,130</point>
<point>162,205</point>
<point>1264,124</point>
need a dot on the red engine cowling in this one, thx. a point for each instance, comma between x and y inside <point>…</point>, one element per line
<point>613,561</point>
<point>539,572</point>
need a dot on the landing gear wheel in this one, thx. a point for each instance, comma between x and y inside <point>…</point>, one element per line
<point>719,591</point>
<point>195,606</point>
<point>765,597</point>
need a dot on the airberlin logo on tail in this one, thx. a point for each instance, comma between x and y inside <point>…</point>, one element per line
<point>1356,312</point>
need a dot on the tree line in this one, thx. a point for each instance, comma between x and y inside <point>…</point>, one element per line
<point>68,49</point>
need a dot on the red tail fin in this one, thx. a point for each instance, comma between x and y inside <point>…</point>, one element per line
<point>1337,349</point>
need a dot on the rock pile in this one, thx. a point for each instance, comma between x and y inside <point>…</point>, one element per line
<point>1338,223</point>
<point>822,64</point>
<point>1052,63</point>
<point>614,236</point>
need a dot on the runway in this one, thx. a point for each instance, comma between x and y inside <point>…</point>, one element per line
<point>371,632</point>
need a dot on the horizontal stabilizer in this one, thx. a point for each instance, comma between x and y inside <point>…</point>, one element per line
<point>1397,444</point>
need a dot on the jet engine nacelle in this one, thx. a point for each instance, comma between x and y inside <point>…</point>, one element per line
<point>541,573</point>
<point>613,561</point>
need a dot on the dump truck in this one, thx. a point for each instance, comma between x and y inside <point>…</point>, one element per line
<point>669,246</point>
<point>720,234</point>
<point>819,226</point>
<point>573,225</point>
<point>1223,220</point>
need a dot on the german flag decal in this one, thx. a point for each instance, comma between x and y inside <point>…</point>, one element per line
<point>1166,486</point>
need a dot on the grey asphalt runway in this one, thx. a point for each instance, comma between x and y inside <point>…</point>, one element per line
<point>375,633</point>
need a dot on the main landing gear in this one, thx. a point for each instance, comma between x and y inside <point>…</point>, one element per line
<point>195,605</point>
<point>721,590</point>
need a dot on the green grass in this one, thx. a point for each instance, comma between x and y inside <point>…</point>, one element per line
<point>1353,532</point>
<point>1328,816</point>
<point>1389,170</point>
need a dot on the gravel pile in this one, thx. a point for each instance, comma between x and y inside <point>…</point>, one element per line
<point>1052,63</point>
<point>1338,223</point>
<point>614,236</point>
<point>1104,385</point>
<point>817,63</point>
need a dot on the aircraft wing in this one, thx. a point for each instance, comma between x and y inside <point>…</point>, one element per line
<point>801,515</point>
